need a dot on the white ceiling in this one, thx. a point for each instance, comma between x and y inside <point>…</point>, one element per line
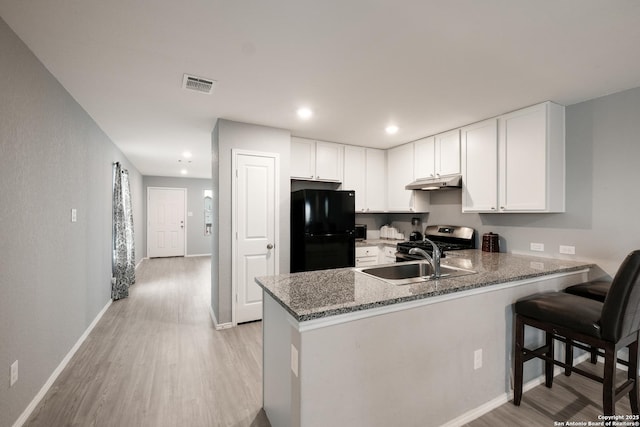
<point>426,65</point>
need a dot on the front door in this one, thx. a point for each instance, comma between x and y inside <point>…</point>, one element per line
<point>255,216</point>
<point>166,222</point>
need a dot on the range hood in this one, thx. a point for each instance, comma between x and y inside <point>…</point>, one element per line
<point>441,183</point>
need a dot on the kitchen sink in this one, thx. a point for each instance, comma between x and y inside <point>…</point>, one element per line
<point>411,272</point>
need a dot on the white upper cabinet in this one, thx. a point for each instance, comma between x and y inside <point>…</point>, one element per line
<point>376,179</point>
<point>355,174</point>
<point>364,172</point>
<point>400,172</point>
<point>480,167</point>
<point>316,160</point>
<point>531,149</point>
<point>303,158</point>
<point>515,163</point>
<point>425,157</point>
<point>437,155</point>
<point>447,153</point>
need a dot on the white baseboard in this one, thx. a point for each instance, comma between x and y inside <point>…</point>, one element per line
<point>195,255</point>
<point>215,321</point>
<point>506,397</point>
<point>47,385</point>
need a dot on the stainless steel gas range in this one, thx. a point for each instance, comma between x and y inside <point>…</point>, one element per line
<point>446,237</point>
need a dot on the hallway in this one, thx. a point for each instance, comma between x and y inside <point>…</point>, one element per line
<point>154,359</point>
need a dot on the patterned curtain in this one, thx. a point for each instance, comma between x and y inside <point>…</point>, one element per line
<point>123,247</point>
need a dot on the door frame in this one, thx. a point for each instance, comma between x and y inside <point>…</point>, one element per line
<point>186,222</point>
<point>235,152</point>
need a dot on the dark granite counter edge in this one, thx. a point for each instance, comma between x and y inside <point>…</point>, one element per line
<point>362,307</point>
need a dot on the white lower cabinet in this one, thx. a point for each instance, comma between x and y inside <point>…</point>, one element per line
<point>515,162</point>
<point>387,255</point>
<point>374,255</point>
<point>366,256</point>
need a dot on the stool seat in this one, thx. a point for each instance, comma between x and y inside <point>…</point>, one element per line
<point>571,311</point>
<point>596,290</point>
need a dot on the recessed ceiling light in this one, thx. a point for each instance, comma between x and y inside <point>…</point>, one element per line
<point>391,129</point>
<point>187,154</point>
<point>304,113</point>
<point>183,171</point>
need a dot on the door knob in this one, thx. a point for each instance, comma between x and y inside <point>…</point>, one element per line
<point>269,246</point>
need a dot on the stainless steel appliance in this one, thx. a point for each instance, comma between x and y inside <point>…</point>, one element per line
<point>446,237</point>
<point>361,232</point>
<point>322,230</point>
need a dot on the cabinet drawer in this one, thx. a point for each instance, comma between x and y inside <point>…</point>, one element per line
<point>366,261</point>
<point>389,252</point>
<point>365,251</point>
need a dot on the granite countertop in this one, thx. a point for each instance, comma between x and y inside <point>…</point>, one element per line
<point>324,293</point>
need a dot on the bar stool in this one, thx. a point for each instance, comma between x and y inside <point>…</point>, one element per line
<point>610,325</point>
<point>596,290</point>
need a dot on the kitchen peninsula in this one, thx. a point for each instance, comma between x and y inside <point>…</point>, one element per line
<point>344,348</point>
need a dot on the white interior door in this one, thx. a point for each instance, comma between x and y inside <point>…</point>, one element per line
<point>256,228</point>
<point>166,222</point>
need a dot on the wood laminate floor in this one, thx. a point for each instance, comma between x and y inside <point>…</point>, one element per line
<point>154,359</point>
<point>571,399</point>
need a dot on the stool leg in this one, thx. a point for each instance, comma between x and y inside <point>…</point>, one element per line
<point>594,355</point>
<point>568,356</point>
<point>518,361</point>
<point>548,365</point>
<point>608,385</point>
<point>632,374</point>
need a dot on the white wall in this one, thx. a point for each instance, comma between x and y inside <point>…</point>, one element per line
<point>197,242</point>
<point>54,274</point>
<point>226,136</point>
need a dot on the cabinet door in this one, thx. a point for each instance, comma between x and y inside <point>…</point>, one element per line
<point>376,174</point>
<point>448,153</point>
<point>399,174</point>
<point>480,167</point>
<point>523,154</point>
<point>424,157</point>
<point>355,174</point>
<point>303,158</point>
<point>329,161</point>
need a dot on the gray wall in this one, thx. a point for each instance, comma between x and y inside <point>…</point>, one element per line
<point>602,173</point>
<point>197,242</point>
<point>226,136</point>
<point>54,274</point>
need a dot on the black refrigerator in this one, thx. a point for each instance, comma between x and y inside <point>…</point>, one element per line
<point>322,229</point>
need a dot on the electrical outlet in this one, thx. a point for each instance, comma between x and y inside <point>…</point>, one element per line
<point>14,373</point>
<point>538,247</point>
<point>477,359</point>
<point>569,250</point>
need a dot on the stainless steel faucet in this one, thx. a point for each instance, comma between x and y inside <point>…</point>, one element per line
<point>434,259</point>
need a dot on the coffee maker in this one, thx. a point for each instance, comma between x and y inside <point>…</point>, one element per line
<point>415,233</point>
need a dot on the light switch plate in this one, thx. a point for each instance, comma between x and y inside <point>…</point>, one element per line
<point>74,215</point>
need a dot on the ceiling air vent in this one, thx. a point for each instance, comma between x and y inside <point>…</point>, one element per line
<point>199,84</point>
